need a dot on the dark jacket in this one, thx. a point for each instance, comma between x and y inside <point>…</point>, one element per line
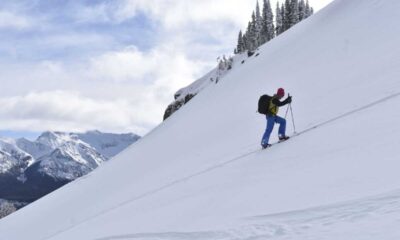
<point>276,103</point>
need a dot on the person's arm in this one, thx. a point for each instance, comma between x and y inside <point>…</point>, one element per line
<point>283,103</point>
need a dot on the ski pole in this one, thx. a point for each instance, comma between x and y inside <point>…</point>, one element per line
<point>287,110</point>
<point>291,111</point>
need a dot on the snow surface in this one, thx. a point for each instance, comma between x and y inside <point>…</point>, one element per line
<point>201,175</point>
<point>211,78</point>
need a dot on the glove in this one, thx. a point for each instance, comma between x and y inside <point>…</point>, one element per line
<point>289,99</point>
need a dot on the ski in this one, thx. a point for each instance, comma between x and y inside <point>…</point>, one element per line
<point>281,141</point>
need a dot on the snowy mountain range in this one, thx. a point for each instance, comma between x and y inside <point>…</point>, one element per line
<point>207,178</point>
<point>31,169</point>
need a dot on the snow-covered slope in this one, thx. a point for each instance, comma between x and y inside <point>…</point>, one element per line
<point>201,175</point>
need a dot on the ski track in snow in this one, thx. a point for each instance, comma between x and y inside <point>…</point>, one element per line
<point>212,168</point>
<point>290,225</point>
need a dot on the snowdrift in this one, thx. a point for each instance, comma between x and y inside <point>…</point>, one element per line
<point>201,175</point>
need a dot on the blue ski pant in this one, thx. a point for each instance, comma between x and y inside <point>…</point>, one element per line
<point>271,120</point>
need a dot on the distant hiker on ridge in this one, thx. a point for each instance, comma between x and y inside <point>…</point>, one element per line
<point>269,106</point>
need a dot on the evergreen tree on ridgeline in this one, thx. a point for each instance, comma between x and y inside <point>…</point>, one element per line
<point>249,36</point>
<point>241,47</point>
<point>252,34</point>
<point>283,14</point>
<point>268,29</point>
<point>261,28</point>
<point>302,10</point>
<point>294,13</point>
<point>309,10</point>
<point>258,18</point>
<point>278,20</point>
<point>245,41</point>
<point>286,15</point>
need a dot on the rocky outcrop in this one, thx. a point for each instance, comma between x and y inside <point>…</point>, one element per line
<point>175,106</point>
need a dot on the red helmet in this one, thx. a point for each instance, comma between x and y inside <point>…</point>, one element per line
<point>280,92</point>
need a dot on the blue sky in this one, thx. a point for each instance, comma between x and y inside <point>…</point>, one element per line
<point>77,65</point>
<point>53,28</point>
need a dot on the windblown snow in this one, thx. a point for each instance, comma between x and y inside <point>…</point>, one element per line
<point>201,174</point>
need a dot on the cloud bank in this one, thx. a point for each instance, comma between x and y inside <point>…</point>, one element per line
<point>107,65</point>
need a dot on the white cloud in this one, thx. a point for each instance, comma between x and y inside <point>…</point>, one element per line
<point>125,65</point>
<point>61,110</point>
<point>125,90</point>
<point>160,65</point>
<point>175,14</point>
<point>118,88</point>
<point>172,14</point>
<point>9,20</point>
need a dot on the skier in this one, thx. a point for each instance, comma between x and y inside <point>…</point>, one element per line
<point>273,118</point>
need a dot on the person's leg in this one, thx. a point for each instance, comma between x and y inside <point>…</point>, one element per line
<point>282,125</point>
<point>268,130</point>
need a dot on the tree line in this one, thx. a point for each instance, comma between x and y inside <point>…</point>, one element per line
<point>265,25</point>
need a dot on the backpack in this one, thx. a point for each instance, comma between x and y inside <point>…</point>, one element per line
<point>263,104</point>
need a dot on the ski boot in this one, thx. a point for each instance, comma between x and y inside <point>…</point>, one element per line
<point>264,146</point>
<point>283,138</point>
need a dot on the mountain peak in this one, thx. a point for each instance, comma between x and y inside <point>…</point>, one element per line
<point>32,169</point>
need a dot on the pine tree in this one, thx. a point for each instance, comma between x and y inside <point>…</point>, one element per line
<point>245,43</point>
<point>302,10</point>
<point>249,37</point>
<point>258,26</point>
<point>268,22</point>
<point>252,35</point>
<point>240,46</point>
<point>283,14</point>
<point>261,28</point>
<point>286,15</point>
<point>294,13</point>
<point>258,19</point>
<point>308,10</point>
<point>279,20</point>
<point>262,36</point>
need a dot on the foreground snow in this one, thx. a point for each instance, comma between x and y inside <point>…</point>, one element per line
<point>348,220</point>
<point>201,175</point>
